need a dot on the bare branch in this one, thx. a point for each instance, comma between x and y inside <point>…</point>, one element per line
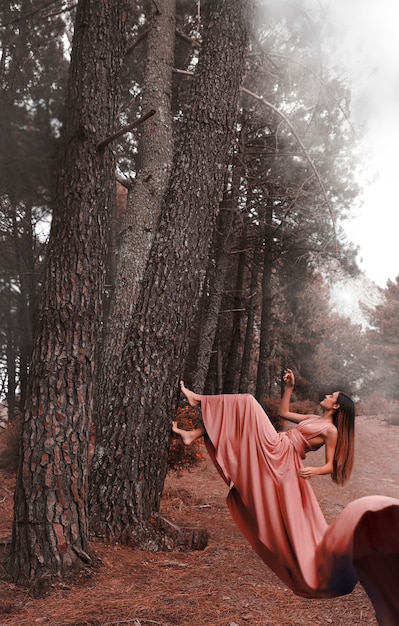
<point>123,181</point>
<point>125,129</point>
<point>136,43</point>
<point>187,39</point>
<point>66,10</point>
<point>21,18</point>
<point>183,72</point>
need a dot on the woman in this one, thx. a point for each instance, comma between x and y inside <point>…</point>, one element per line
<point>337,433</point>
<point>273,504</point>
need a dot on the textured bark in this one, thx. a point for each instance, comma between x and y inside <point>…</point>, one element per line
<point>262,380</point>
<point>214,300</point>
<point>50,531</point>
<point>229,226</point>
<point>249,332</point>
<point>137,224</point>
<point>130,471</point>
<point>230,377</point>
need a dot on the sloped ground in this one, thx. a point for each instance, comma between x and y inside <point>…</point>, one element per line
<point>226,584</point>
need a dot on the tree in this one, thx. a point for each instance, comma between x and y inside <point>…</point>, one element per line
<point>50,530</point>
<point>136,225</point>
<point>383,344</point>
<point>129,466</point>
<point>291,147</point>
<point>33,73</point>
<point>228,228</point>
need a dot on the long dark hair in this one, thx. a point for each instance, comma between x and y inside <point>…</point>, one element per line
<point>344,421</point>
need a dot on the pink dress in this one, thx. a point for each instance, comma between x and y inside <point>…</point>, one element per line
<point>280,517</point>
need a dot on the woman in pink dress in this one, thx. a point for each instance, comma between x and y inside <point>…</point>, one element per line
<point>274,506</point>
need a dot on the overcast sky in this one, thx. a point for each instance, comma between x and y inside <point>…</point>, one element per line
<point>368,45</point>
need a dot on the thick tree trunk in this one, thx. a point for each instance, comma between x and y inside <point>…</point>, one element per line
<point>136,226</point>
<point>129,473</point>
<point>50,531</point>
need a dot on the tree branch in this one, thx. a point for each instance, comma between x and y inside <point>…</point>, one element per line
<point>123,181</point>
<point>187,39</point>
<point>125,129</point>
<point>322,83</point>
<point>183,72</point>
<point>136,43</point>
<point>26,16</point>
<point>269,105</point>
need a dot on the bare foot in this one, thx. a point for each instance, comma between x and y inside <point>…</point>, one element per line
<point>192,398</point>
<point>187,436</point>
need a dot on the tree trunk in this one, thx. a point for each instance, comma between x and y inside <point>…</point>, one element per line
<point>209,326</point>
<point>211,309</point>
<point>249,333</point>
<point>50,531</point>
<point>262,380</point>
<point>11,360</point>
<point>129,473</point>
<point>228,228</point>
<point>137,224</point>
<point>231,365</point>
<point>25,261</point>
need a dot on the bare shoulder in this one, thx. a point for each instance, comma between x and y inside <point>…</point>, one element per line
<point>331,433</point>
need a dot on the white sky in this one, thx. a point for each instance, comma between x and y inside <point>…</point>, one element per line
<point>368,44</point>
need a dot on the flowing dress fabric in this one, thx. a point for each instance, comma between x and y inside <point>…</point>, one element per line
<point>278,513</point>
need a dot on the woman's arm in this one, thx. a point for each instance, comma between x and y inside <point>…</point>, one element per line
<point>284,409</point>
<point>331,442</point>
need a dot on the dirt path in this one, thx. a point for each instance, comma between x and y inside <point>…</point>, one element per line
<point>226,584</point>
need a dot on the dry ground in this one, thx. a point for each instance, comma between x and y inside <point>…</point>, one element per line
<point>226,584</point>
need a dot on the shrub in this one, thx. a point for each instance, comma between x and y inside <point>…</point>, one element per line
<point>375,404</point>
<point>271,407</point>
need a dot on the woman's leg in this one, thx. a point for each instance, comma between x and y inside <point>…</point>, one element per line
<point>192,398</point>
<point>188,436</point>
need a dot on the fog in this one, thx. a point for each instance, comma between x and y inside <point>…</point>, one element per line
<point>367,46</point>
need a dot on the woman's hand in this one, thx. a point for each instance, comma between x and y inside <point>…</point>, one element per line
<point>289,378</point>
<point>307,472</point>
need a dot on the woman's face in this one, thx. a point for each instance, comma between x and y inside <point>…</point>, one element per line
<point>330,401</point>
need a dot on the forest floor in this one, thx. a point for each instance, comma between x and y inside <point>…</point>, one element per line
<point>224,585</point>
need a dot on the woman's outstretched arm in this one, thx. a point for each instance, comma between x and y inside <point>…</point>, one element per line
<point>284,409</point>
